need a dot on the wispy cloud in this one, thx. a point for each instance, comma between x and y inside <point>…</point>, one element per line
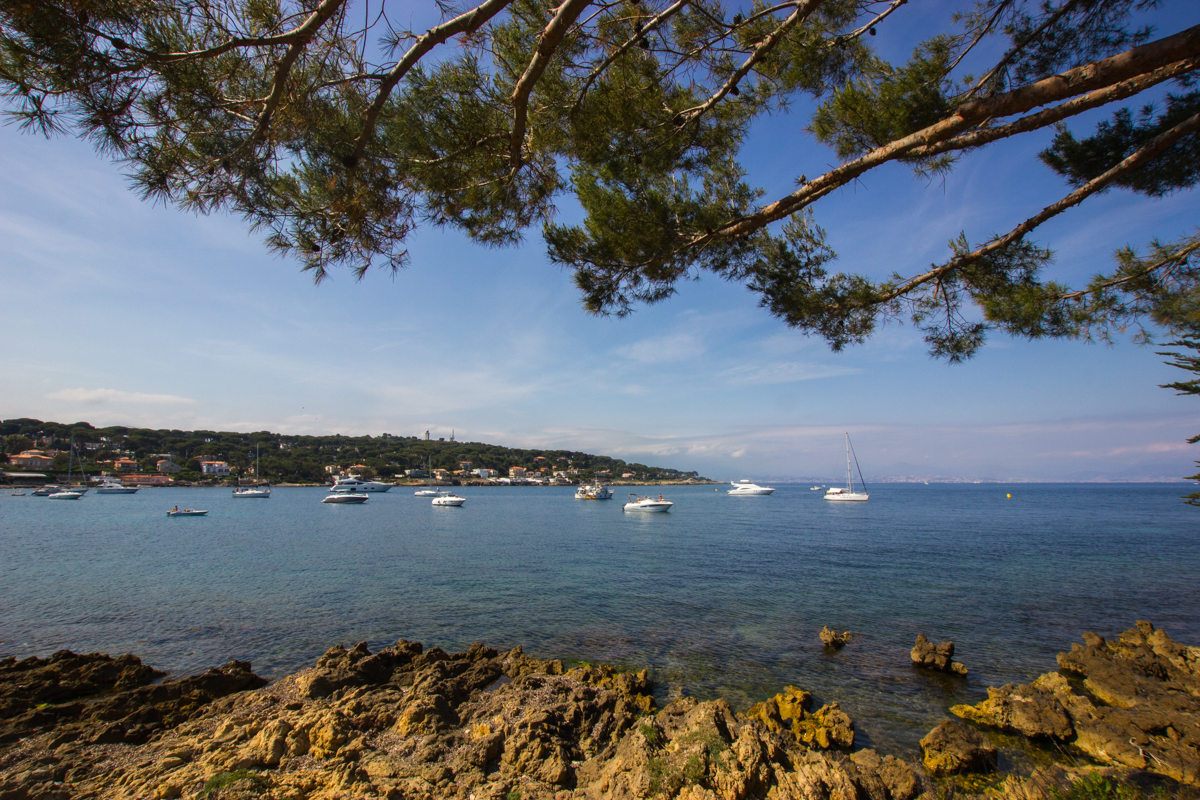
<point>98,397</point>
<point>664,349</point>
<point>785,372</point>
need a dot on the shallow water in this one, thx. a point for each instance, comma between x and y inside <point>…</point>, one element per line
<point>721,597</point>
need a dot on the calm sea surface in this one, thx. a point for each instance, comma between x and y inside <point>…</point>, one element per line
<point>721,597</point>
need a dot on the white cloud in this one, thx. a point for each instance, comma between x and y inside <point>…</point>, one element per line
<point>103,396</point>
<point>664,349</point>
<point>784,372</point>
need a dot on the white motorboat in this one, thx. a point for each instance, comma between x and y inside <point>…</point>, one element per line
<point>65,494</point>
<point>815,488</point>
<point>185,512</point>
<point>353,484</point>
<point>430,493</point>
<point>593,491</point>
<point>647,504</point>
<point>449,500</point>
<point>848,494</point>
<point>47,490</point>
<point>745,488</point>
<point>109,486</point>
<point>344,497</point>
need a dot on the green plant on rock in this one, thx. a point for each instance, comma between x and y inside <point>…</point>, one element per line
<point>664,778</point>
<point>694,772</point>
<point>650,734</point>
<point>224,780</point>
<point>514,794</point>
<point>1095,786</point>
<point>713,742</point>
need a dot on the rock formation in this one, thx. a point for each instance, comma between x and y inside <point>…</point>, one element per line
<point>833,639</point>
<point>410,723</point>
<point>419,724</point>
<point>1147,709</point>
<point>938,657</point>
<point>953,748</point>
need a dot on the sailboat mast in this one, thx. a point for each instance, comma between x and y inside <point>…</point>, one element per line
<point>849,484</point>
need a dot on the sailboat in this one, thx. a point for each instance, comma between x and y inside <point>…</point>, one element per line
<point>429,491</point>
<point>68,493</point>
<point>256,490</point>
<point>848,494</point>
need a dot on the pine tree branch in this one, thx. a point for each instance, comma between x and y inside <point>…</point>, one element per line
<point>666,14</point>
<point>1136,160</point>
<point>557,28</point>
<point>304,35</point>
<point>464,23</point>
<point>1049,116</point>
<point>804,8</point>
<point>1080,80</point>
<point>1017,48</point>
<point>1177,257</point>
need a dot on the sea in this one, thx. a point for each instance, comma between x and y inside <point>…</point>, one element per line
<point>721,597</point>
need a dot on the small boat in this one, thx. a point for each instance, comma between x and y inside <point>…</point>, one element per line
<point>430,493</point>
<point>65,494</point>
<point>745,488</point>
<point>109,486</point>
<point>848,494</point>
<point>47,490</point>
<point>816,488</point>
<point>449,500</point>
<point>647,504</point>
<point>185,512</point>
<point>16,494</point>
<point>344,497</point>
<point>593,491</point>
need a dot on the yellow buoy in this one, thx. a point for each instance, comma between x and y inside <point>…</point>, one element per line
<point>1009,497</point>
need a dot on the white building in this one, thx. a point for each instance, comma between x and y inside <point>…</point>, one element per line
<point>214,467</point>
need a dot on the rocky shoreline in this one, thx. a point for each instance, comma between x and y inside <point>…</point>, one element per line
<point>407,722</point>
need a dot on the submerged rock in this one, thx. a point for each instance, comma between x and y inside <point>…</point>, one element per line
<point>953,748</point>
<point>831,638</point>
<point>938,657</point>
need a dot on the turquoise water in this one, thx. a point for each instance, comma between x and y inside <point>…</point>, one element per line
<point>721,597</point>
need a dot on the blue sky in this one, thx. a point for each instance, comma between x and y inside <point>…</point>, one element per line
<point>120,312</point>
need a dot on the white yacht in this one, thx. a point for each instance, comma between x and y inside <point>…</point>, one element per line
<point>355,484</point>
<point>745,488</point>
<point>848,494</point>
<point>449,500</point>
<point>647,504</point>
<point>429,493</point>
<point>593,491</point>
<point>65,494</point>
<point>348,496</point>
<point>110,486</point>
<point>186,512</point>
